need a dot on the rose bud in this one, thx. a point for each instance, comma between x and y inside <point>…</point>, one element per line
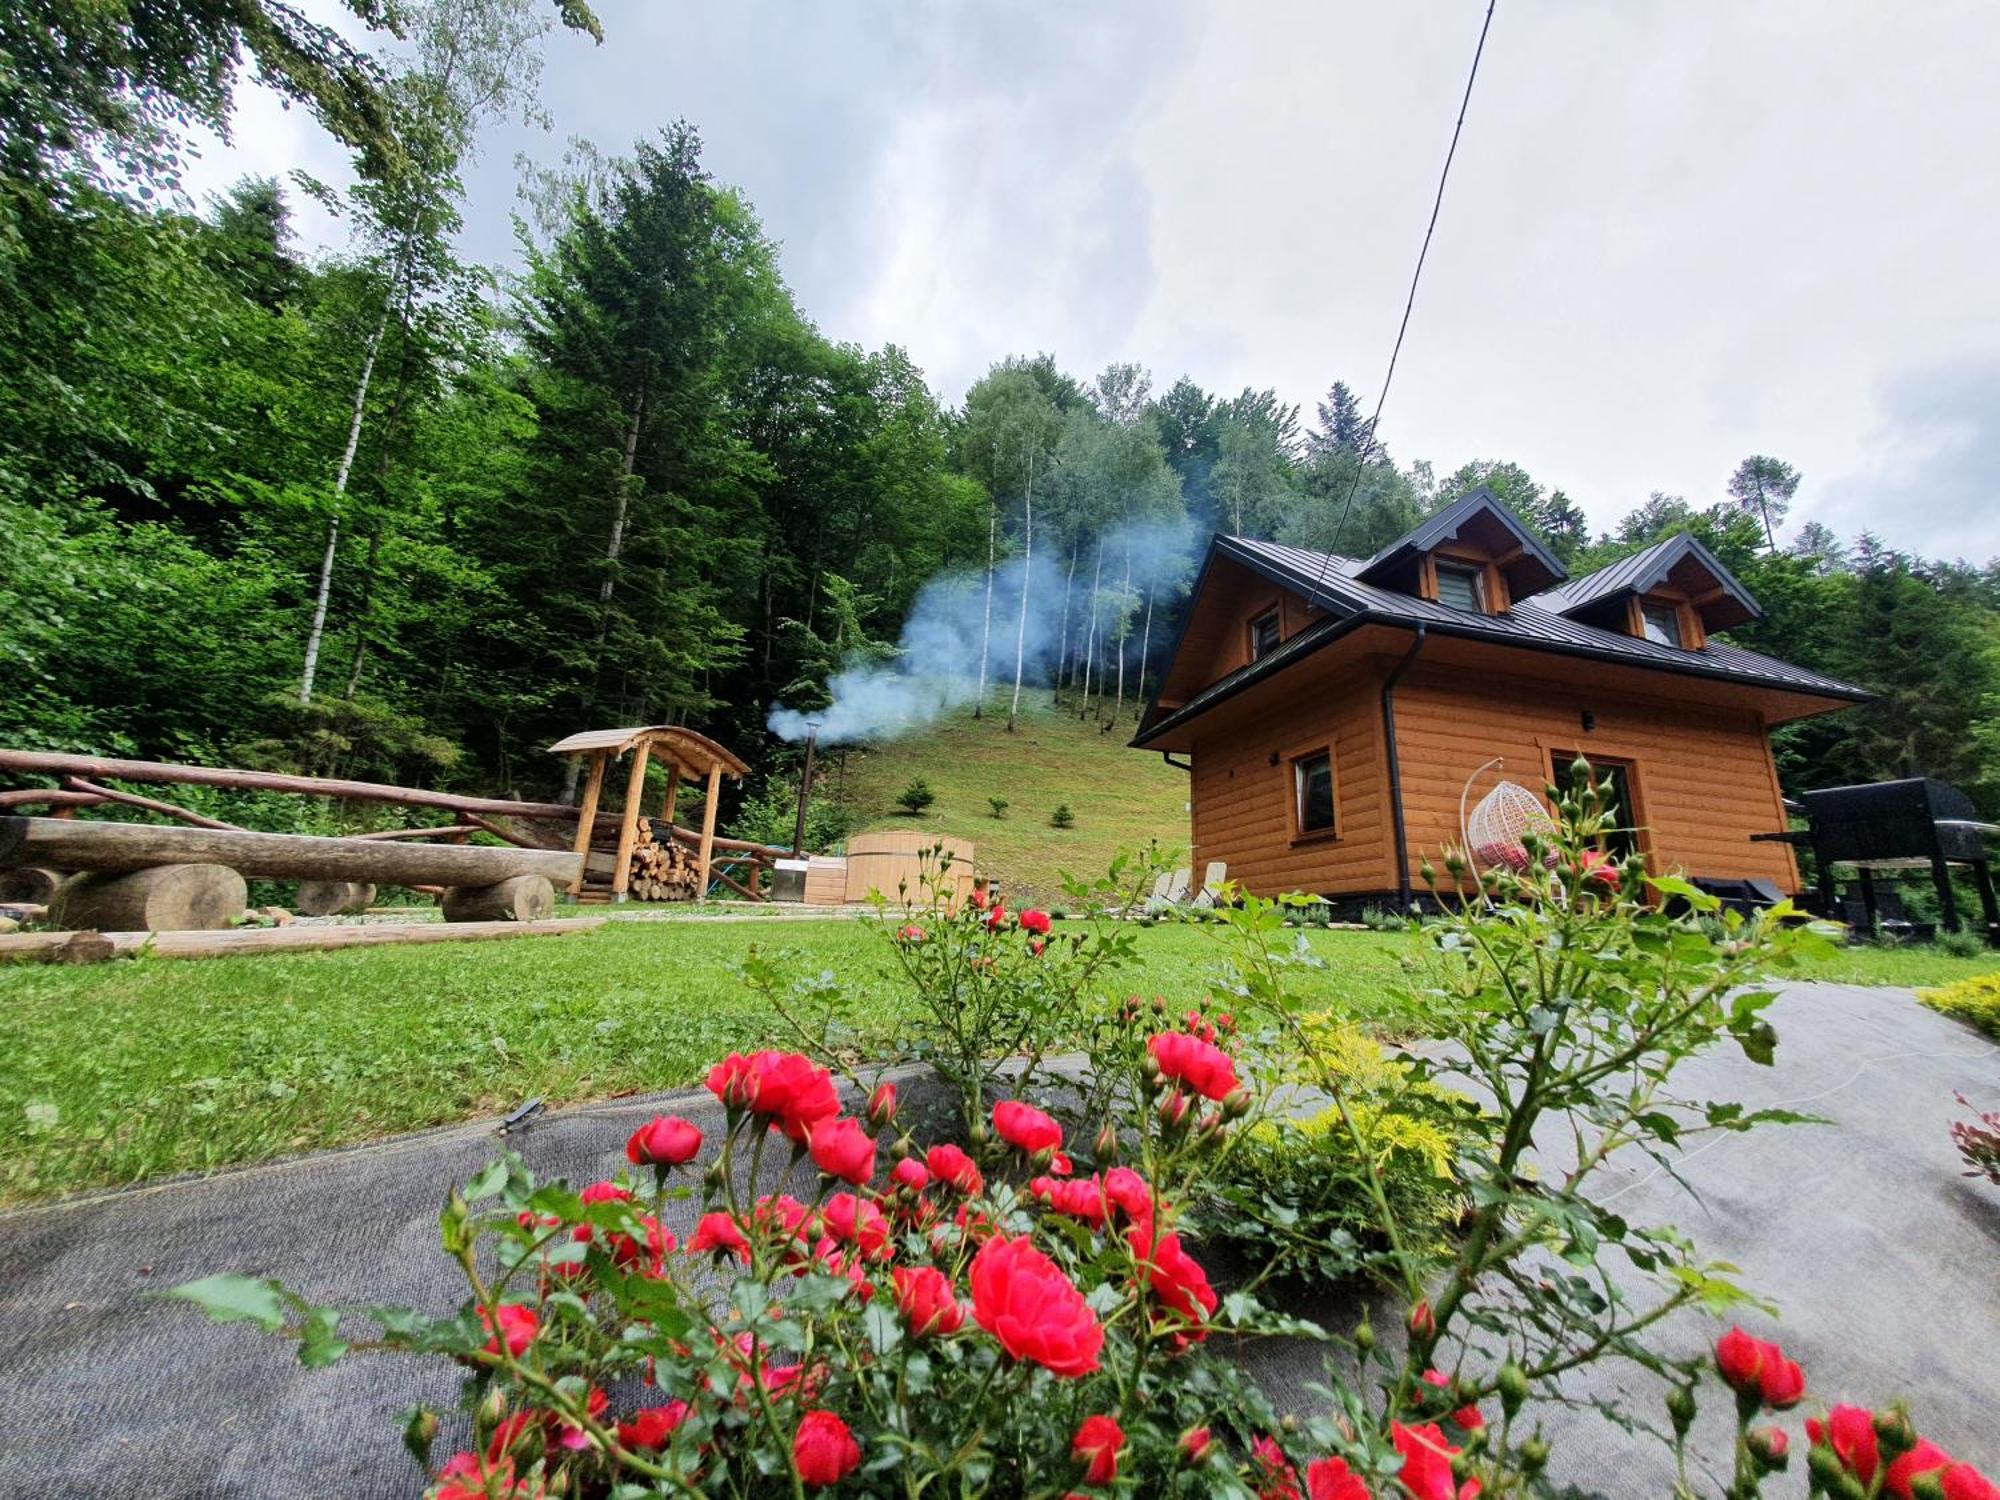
<point>1195,1445</point>
<point>1423,1323</point>
<point>1106,1145</point>
<point>1173,1110</point>
<point>1534,1454</point>
<point>1768,1445</point>
<point>1513,1383</point>
<point>492,1411</point>
<point>1681,1408</point>
<point>1739,1359</point>
<point>663,1141</point>
<point>881,1107</point>
<point>1895,1432</point>
<point>1236,1103</point>
<point>1364,1336</point>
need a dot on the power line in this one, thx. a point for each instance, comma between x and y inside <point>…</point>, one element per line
<point>1361,454</point>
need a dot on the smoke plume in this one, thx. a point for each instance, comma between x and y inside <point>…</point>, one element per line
<point>935,668</point>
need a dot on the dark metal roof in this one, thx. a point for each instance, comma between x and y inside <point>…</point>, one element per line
<point>1644,570</point>
<point>1350,602</point>
<point>1543,569</point>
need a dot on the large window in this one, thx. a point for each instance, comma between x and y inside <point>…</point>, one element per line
<point>1312,793</point>
<point>1614,780</point>
<point>1264,634</point>
<point>1663,623</point>
<point>1461,588</point>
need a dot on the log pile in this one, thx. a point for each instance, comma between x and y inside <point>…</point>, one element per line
<point>662,869</point>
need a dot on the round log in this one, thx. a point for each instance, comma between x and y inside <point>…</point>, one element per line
<point>165,898</point>
<point>31,885</point>
<point>76,844</point>
<point>332,898</point>
<point>523,898</point>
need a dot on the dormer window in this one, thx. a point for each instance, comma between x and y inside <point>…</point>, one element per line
<point>1461,587</point>
<point>1264,634</point>
<point>1662,624</point>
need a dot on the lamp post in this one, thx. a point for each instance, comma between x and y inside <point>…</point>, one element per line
<point>805,790</point>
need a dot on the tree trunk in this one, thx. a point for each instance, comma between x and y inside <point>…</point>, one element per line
<point>522,898</point>
<point>361,615</point>
<point>1090,635</point>
<point>332,898</point>
<point>31,885</point>
<point>1069,589</point>
<point>325,590</point>
<point>1145,653</point>
<point>1027,570</point>
<point>165,898</point>
<point>1124,631</point>
<point>986,630</point>
<point>620,509</point>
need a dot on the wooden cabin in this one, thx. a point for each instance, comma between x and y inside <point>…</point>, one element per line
<point>1332,709</point>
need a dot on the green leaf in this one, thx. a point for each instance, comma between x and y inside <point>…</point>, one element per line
<point>230,1298</point>
<point>320,1343</point>
<point>883,1328</point>
<point>492,1177</point>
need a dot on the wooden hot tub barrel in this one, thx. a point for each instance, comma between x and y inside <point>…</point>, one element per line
<point>892,859</point>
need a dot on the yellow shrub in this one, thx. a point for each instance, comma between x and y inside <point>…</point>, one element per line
<point>1975,1001</point>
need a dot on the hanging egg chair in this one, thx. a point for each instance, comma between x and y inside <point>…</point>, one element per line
<point>1496,829</point>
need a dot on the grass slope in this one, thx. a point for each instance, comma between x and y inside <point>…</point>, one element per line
<point>1122,798</point>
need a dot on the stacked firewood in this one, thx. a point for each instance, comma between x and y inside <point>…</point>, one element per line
<point>662,869</point>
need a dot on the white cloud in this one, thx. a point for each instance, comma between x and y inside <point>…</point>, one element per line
<point>1674,235</point>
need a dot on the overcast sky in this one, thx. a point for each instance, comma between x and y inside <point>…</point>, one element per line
<point>1675,234</point>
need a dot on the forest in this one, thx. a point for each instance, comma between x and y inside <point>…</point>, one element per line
<point>385,513</point>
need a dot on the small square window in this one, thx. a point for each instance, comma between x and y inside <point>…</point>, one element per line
<point>1264,634</point>
<point>1461,588</point>
<point>1312,793</point>
<point>1663,624</point>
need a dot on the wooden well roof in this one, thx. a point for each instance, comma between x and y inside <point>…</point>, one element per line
<point>691,751</point>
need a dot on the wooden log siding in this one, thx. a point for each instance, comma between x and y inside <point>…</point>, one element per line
<point>1704,776</point>
<point>77,845</point>
<point>1243,803</point>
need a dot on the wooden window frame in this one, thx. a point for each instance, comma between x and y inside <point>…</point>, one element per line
<point>1295,794</point>
<point>1490,584</point>
<point>1694,635</point>
<point>1560,757</point>
<point>1276,615</point>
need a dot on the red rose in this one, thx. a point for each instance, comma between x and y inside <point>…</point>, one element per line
<point>1195,1445</point>
<point>1907,1466</point>
<point>841,1148</point>
<point>910,934</point>
<point>508,1432</point>
<point>1096,1444</point>
<point>1078,1198</point>
<point>996,918</point>
<point>1036,922</point>
<point>1850,1432</point>
<point>718,1232</point>
<point>518,1326</point>
<point>910,1173</point>
<point>1331,1479</point>
<point>1025,1127</point>
<point>1738,1359</point>
<point>824,1449</point>
<point>1037,946</point>
<point>1128,1190</point>
<point>1963,1482</point>
<point>660,1243</point>
<point>1426,1470</point>
<point>1599,867</point>
<point>1423,1323</point>
<point>858,1222</point>
<point>652,1426</point>
<point>1278,1480</point>
<point>785,1088</point>
<point>1188,1059</point>
<point>927,1301</point>
<point>663,1141</point>
<point>575,1439</point>
<point>1781,1384</point>
<point>1467,1417</point>
<point>1769,1444</point>
<point>1023,1299</point>
<point>1174,1277</point>
<point>950,1165</point>
<point>464,1477</point>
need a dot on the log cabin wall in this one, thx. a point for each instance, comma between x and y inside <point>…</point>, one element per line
<point>1704,779</point>
<point>1243,803</point>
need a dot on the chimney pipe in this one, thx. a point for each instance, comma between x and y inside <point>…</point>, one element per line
<point>805,791</point>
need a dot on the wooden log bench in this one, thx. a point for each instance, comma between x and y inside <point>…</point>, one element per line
<point>133,876</point>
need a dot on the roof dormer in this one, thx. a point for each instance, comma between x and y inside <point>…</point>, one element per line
<point>1473,555</point>
<point>1673,594</point>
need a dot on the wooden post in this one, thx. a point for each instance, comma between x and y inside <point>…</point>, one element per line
<point>586,821</point>
<point>708,826</point>
<point>673,791</point>
<point>628,827</point>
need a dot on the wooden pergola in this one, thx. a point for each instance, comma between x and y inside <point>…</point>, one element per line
<point>684,752</point>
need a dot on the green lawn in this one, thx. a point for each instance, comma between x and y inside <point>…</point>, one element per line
<point>1121,798</point>
<point>163,1066</point>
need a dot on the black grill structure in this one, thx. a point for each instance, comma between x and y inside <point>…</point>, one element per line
<point>1888,826</point>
